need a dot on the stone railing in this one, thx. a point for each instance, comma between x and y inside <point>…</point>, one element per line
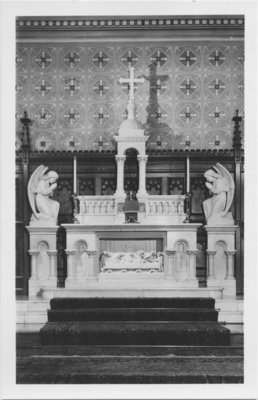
<point>96,205</point>
<point>172,205</point>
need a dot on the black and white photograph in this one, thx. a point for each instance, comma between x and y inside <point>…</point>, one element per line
<point>132,258</point>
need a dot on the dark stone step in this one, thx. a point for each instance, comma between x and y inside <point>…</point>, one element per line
<point>133,351</point>
<point>133,314</point>
<point>140,333</point>
<point>71,370</point>
<point>134,302</point>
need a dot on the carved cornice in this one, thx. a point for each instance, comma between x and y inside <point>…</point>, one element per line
<point>107,155</point>
<point>128,22</point>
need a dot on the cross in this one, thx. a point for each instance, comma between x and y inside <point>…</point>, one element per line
<point>217,142</point>
<point>216,114</point>
<point>71,143</point>
<point>159,143</point>
<point>131,81</point>
<point>158,86</point>
<point>188,86</point>
<point>187,114</point>
<point>100,143</point>
<point>187,143</point>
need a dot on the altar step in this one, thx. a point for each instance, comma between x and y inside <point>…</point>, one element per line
<point>129,364</point>
<point>132,309</point>
<point>176,340</point>
<point>32,313</point>
<point>133,314</point>
<point>137,321</point>
<point>132,302</point>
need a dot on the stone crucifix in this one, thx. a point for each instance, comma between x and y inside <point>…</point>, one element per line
<point>131,82</point>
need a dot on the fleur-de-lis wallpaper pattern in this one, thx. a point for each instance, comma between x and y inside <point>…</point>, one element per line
<point>71,92</point>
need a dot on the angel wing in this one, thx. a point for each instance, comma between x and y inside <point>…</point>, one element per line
<point>230,193</point>
<point>32,186</point>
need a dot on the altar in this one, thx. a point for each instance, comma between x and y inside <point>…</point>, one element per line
<point>131,252</point>
<point>132,243</point>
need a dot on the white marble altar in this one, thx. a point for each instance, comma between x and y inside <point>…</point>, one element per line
<point>173,238</point>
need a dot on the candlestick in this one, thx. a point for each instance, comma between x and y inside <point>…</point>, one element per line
<point>187,173</point>
<point>74,174</point>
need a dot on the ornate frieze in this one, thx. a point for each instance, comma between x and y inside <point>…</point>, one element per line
<point>78,23</point>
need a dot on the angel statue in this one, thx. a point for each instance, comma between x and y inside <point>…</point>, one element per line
<point>40,189</point>
<point>221,186</point>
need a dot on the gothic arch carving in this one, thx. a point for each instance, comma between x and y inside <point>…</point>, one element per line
<point>81,246</point>
<point>43,245</point>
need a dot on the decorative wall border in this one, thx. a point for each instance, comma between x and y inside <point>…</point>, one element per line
<point>110,154</point>
<point>128,22</point>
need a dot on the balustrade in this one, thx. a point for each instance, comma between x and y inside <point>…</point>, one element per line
<point>97,205</point>
<point>165,205</point>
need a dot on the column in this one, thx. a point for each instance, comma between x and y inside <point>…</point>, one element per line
<point>164,185</point>
<point>71,278</point>
<point>170,268</point>
<point>52,265</point>
<point>98,186</point>
<point>230,265</point>
<point>91,274</point>
<point>142,174</point>
<point>229,283</point>
<point>120,160</point>
<point>192,264</point>
<point>211,255</point>
<point>34,254</point>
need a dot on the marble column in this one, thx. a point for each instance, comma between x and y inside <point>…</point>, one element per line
<point>52,265</point>
<point>34,254</point>
<point>120,160</point>
<point>170,268</point>
<point>91,271</point>
<point>71,278</point>
<point>192,264</point>
<point>230,265</point>
<point>142,175</point>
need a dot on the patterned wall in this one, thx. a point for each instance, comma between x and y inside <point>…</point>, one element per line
<point>71,92</point>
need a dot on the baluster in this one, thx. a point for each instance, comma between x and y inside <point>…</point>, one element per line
<point>90,208</point>
<point>159,208</point>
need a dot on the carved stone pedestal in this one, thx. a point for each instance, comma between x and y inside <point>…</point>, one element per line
<point>43,258</point>
<point>220,258</point>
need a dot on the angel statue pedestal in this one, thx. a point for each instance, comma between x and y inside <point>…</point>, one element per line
<point>220,258</point>
<point>43,254</point>
<point>220,230</point>
<point>43,230</point>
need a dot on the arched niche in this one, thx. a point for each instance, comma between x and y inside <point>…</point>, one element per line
<point>182,260</point>
<point>81,247</point>
<point>131,171</point>
<point>220,260</point>
<point>43,260</point>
